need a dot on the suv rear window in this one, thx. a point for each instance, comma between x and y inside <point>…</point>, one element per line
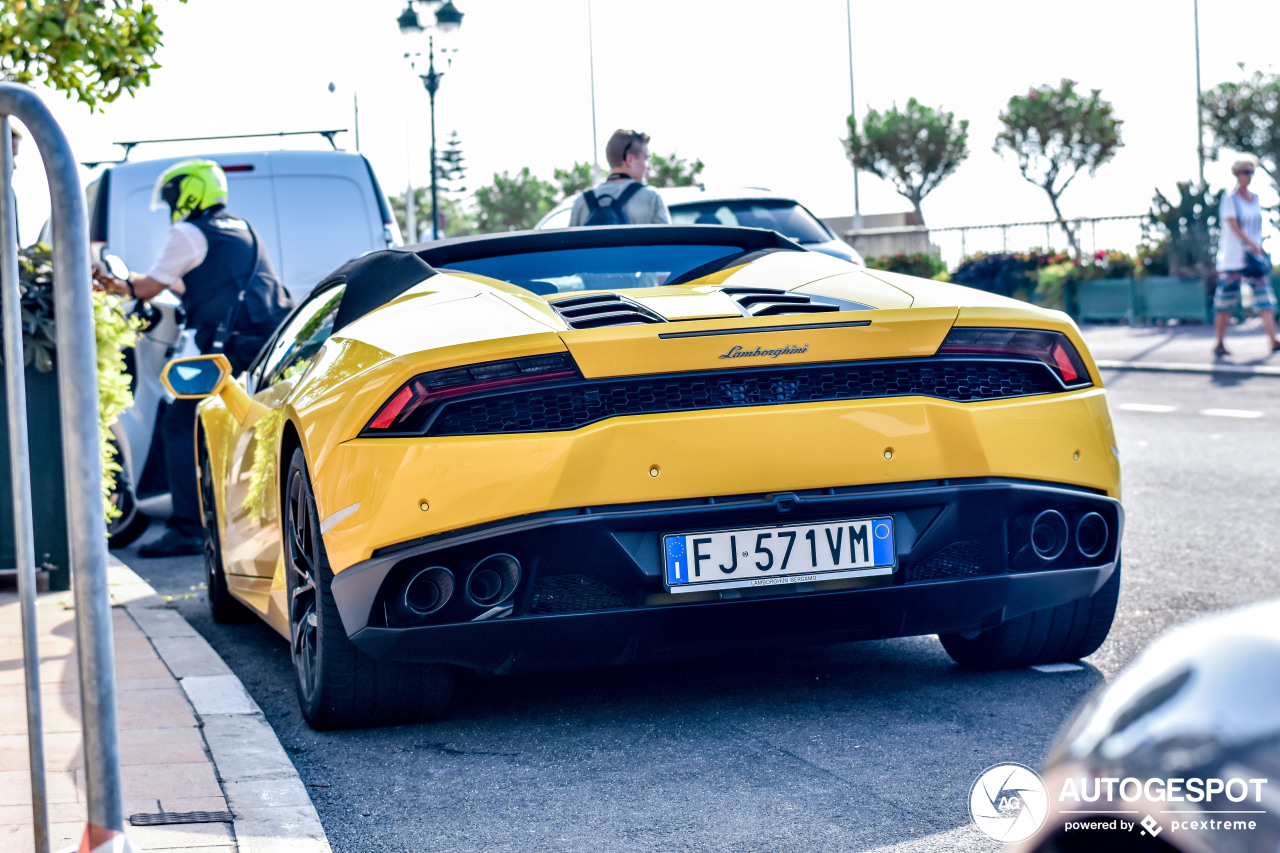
<point>786,217</point>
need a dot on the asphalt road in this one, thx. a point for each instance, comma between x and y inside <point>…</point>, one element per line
<point>869,746</point>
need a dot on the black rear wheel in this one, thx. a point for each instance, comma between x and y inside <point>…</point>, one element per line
<point>338,685</point>
<point>1059,634</point>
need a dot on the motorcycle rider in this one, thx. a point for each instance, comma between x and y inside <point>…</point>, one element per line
<point>215,263</point>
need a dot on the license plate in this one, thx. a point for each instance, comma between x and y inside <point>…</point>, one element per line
<point>768,556</point>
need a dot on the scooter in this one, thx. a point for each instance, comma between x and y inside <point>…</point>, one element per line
<point>142,485</point>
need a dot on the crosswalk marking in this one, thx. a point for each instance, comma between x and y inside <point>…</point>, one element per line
<point>1231,413</point>
<point>1147,407</point>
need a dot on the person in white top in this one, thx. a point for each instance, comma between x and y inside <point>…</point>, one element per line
<point>1241,216</point>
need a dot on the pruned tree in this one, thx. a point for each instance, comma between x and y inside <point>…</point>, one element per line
<point>93,49</point>
<point>1245,117</point>
<point>673,171</point>
<point>513,202</point>
<point>913,149</point>
<point>1056,133</point>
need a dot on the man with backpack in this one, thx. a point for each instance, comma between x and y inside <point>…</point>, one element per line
<point>622,199</point>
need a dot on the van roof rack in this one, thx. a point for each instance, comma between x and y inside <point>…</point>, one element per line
<point>327,134</point>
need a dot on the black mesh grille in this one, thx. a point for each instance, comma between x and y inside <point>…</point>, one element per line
<point>574,404</point>
<point>957,560</point>
<point>573,594</point>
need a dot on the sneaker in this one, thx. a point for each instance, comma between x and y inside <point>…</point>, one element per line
<point>173,544</point>
<point>1220,351</point>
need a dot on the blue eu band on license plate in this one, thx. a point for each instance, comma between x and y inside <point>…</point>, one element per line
<point>768,556</point>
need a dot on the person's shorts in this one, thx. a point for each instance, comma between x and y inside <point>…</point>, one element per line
<point>1227,294</point>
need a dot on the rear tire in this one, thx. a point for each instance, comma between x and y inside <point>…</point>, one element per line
<point>222,604</point>
<point>338,685</point>
<point>1064,633</point>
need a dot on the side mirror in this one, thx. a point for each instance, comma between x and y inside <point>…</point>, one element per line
<point>116,266</point>
<point>196,377</point>
<point>204,375</point>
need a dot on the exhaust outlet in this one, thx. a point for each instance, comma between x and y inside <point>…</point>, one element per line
<point>1049,535</point>
<point>493,580</point>
<point>1092,534</point>
<point>426,592</point>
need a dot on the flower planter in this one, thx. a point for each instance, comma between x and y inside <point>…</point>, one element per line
<point>1105,300</point>
<point>48,489</point>
<point>1169,298</point>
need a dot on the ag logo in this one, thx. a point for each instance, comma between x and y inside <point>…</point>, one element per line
<point>1009,802</point>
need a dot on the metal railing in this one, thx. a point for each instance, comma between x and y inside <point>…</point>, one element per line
<point>86,528</point>
<point>955,242</point>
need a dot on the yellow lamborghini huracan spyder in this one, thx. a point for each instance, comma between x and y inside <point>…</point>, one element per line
<point>593,446</point>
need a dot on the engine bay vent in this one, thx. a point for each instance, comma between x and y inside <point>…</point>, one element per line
<point>765,302</point>
<point>597,310</point>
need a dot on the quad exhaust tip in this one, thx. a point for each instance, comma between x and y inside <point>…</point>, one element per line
<point>426,592</point>
<point>1049,535</point>
<point>493,580</point>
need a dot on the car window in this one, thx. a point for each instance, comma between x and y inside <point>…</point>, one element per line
<point>559,219</point>
<point>786,217</point>
<point>301,338</point>
<point>596,268</point>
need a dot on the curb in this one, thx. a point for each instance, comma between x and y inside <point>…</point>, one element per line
<point>1176,367</point>
<point>273,811</point>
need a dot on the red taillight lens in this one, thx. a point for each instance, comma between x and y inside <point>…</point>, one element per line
<point>1053,348</point>
<point>408,411</point>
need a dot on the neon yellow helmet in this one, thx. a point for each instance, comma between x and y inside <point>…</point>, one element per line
<point>190,187</point>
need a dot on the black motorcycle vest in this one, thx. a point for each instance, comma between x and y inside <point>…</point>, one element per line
<point>235,261</point>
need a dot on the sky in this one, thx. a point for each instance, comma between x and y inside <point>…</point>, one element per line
<point>759,91</point>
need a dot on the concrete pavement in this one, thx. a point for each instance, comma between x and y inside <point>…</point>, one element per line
<point>1182,348</point>
<point>191,737</point>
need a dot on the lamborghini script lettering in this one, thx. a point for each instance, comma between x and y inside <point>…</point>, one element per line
<point>739,352</point>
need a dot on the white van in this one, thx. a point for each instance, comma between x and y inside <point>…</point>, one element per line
<point>313,210</point>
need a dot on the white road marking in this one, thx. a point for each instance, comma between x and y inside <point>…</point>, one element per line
<point>1147,407</point>
<point>1231,413</point>
<point>1057,667</point>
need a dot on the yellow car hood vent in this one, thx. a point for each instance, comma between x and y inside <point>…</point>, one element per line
<point>597,310</point>
<point>600,310</point>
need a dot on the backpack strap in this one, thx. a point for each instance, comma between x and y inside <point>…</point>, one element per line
<point>625,195</point>
<point>592,204</point>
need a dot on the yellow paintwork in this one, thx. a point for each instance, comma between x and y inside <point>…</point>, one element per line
<point>451,320</point>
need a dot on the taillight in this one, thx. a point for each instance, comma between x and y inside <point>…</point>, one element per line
<point>408,410</point>
<point>1053,348</point>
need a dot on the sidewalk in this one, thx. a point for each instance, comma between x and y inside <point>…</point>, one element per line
<point>1181,349</point>
<point>191,738</point>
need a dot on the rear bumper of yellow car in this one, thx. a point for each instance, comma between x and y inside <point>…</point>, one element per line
<point>375,494</point>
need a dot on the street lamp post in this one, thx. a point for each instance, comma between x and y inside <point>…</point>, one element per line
<point>447,20</point>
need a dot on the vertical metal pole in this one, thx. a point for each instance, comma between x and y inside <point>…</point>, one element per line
<point>410,206</point>
<point>355,108</point>
<point>20,468</point>
<point>86,527</point>
<point>431,90</point>
<point>591,60</point>
<point>853,111</point>
<point>1195,8</point>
